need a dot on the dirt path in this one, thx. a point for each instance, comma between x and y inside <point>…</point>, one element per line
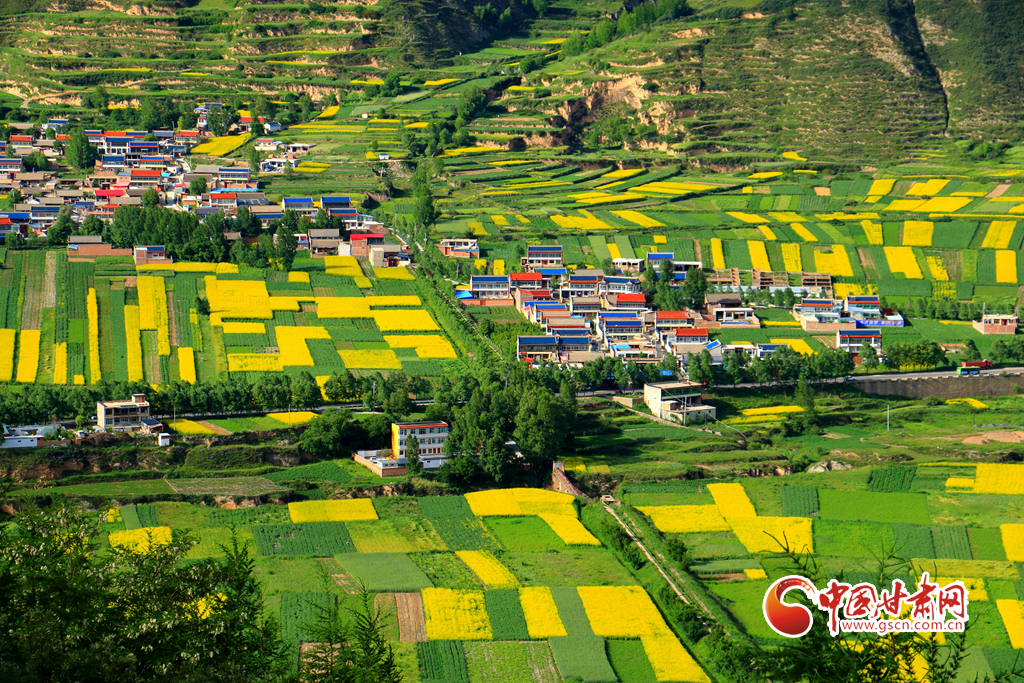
<point>214,428</point>
<point>172,320</point>
<point>675,580</point>
<point>50,280</point>
<point>412,624</point>
<point>867,262</point>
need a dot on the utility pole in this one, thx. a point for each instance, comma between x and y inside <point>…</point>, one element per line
<point>887,408</point>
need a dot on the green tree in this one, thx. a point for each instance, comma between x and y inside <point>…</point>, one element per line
<point>150,198</point>
<point>36,161</point>
<point>868,357</point>
<point>254,158</point>
<point>72,613</point>
<point>695,289</point>
<point>59,232</point>
<point>287,245</point>
<point>398,405</point>
<point>305,390</point>
<point>350,648</point>
<point>472,103</point>
<point>197,186</point>
<point>971,351</point>
<point>79,153</point>
<point>412,455</point>
<point>335,433</point>
<point>804,398</point>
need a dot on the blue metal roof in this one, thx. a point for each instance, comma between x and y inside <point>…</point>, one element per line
<point>84,205</point>
<point>679,276</point>
<point>544,248</point>
<point>120,140</point>
<point>552,271</point>
<point>551,306</point>
<point>583,278</point>
<point>537,340</point>
<point>621,323</point>
<point>10,162</point>
<point>489,278</point>
<point>661,255</point>
<point>860,333</point>
<point>14,216</point>
<point>334,199</point>
<point>713,345</point>
<point>616,314</point>
<point>613,280</point>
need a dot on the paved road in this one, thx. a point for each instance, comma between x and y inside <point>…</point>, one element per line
<point>934,375</point>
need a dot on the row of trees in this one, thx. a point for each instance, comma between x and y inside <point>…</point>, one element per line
<point>37,403</point>
<point>641,16</point>
<point>784,365</point>
<point>71,612</point>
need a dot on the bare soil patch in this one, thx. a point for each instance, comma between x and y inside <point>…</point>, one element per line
<point>412,624</point>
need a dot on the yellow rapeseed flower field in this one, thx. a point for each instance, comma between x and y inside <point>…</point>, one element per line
<point>791,257</point>
<point>404,321</point>
<point>999,478</point>
<point>426,345</point>
<point>998,235</point>
<point>685,519</point>
<point>134,343</point>
<point>881,187</point>
<point>836,263</point>
<point>218,147</point>
<point>767,232</point>
<point>799,345</point>
<point>621,612</point>
<point>292,344</point>
<point>456,614</point>
<point>352,510</point>
<point>918,233</point>
<point>398,273</point>
<point>254,362</point>
<point>758,255</point>
<point>60,363</point>
<point>758,534</point>
<point>732,500</point>
<point>773,410</point>
<point>244,328</point>
<point>803,233</point>
<point>569,529</point>
<point>873,231</point>
<point>671,661</point>
<point>937,268</point>
<point>902,260</point>
<point>747,217</point>
<point>28,354</point>
<point>519,502</point>
<point>491,572</point>
<point>928,188</point>
<point>370,359</point>
<point>542,620</point>
<point>1006,266</point>
<point>92,311</point>
<point>294,417</point>
<point>190,428</point>
<point>1012,613</point>
<point>140,540</point>
<point>187,364</point>
<point>717,254</point>
<point>153,310</point>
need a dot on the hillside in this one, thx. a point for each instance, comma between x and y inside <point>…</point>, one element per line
<point>865,79</point>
